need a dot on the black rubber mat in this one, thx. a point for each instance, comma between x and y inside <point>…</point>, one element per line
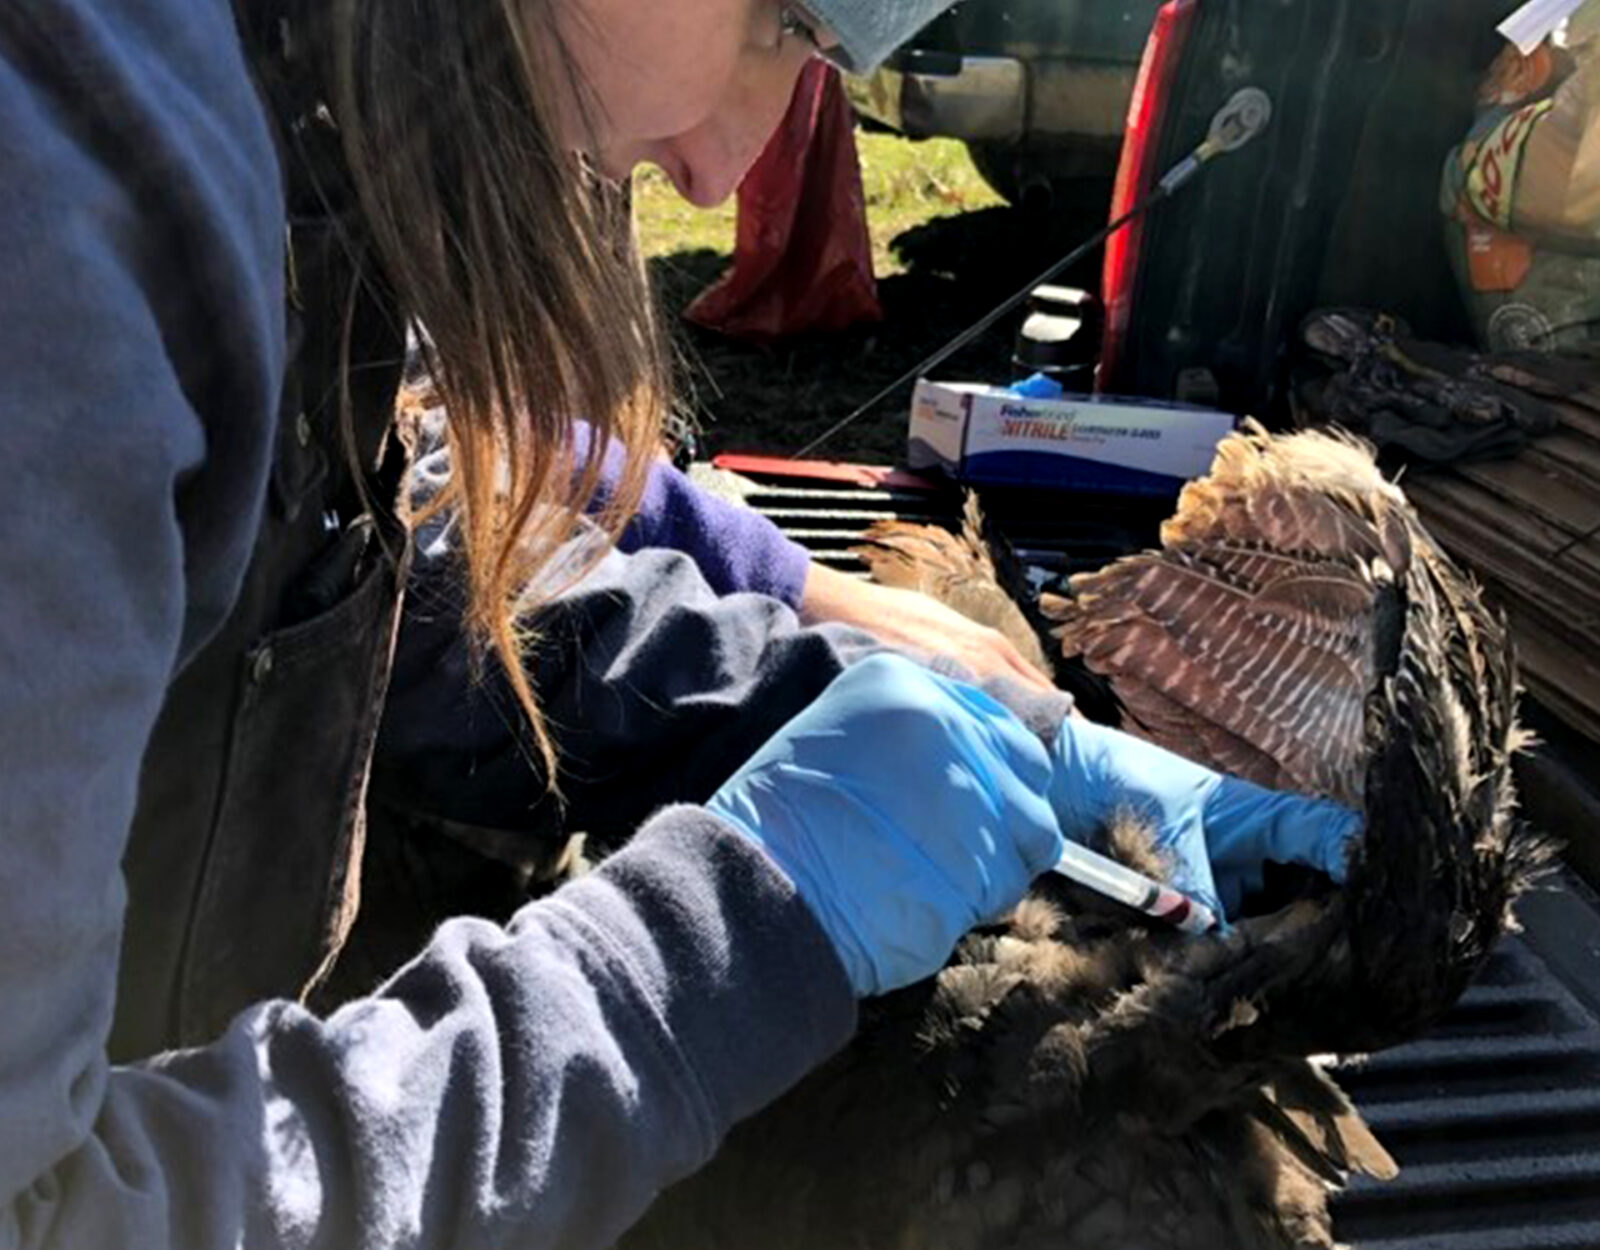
<point>1495,1117</point>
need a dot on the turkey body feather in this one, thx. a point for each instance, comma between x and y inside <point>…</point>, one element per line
<point>962,571</point>
<point>1078,1079</point>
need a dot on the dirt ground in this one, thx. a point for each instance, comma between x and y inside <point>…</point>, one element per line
<point>775,399</point>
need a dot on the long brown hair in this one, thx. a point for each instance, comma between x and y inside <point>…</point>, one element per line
<point>521,268</point>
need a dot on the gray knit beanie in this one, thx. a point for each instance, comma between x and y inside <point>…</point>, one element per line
<point>868,30</point>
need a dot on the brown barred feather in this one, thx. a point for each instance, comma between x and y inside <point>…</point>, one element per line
<point>1258,615</point>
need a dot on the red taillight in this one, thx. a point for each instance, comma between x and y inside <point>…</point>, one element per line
<point>1136,175</point>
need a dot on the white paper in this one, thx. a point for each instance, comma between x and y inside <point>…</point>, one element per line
<point>1536,21</point>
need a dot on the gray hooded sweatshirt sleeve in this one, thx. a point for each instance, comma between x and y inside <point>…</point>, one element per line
<point>529,1084</point>
<point>532,1084</point>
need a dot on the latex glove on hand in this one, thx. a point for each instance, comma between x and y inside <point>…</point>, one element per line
<point>1218,831</point>
<point>906,808</point>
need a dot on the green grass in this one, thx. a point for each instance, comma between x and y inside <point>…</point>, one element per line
<point>906,184</point>
<point>669,224</point>
<point>910,183</point>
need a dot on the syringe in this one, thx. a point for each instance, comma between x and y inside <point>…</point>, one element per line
<point>1134,889</point>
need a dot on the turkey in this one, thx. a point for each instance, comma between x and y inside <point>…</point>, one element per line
<point>1079,1079</point>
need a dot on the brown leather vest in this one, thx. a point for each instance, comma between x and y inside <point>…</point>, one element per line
<point>244,862</point>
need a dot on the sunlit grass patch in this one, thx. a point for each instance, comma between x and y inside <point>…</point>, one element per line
<point>906,184</point>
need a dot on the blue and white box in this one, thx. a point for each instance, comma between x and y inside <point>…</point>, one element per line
<point>984,434</point>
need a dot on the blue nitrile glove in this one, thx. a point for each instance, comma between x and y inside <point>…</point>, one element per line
<point>906,808</point>
<point>1038,386</point>
<point>1217,830</point>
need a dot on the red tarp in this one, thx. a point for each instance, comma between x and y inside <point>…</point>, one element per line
<point>802,260</point>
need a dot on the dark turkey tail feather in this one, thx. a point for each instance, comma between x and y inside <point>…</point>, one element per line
<point>1445,853</point>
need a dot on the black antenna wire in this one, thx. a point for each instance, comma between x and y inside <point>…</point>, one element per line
<point>1241,119</point>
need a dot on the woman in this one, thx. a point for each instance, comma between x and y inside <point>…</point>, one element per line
<point>202,573</point>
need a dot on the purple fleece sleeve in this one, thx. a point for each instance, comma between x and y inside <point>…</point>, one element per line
<point>736,549</point>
